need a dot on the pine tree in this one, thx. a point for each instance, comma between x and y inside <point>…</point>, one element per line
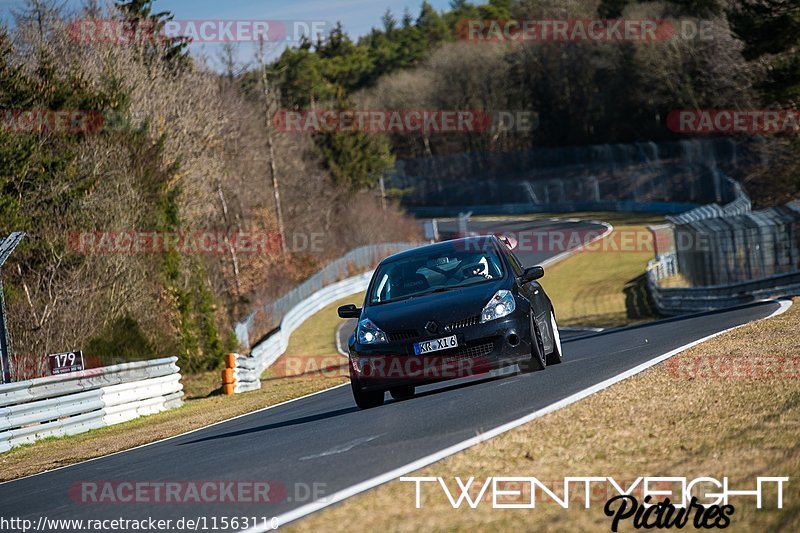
<point>432,26</point>
<point>173,50</point>
<point>356,160</point>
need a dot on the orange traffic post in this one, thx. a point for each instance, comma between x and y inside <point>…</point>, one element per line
<point>228,379</point>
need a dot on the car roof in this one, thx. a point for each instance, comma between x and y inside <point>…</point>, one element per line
<point>437,246</point>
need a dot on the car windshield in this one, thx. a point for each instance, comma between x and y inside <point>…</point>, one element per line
<point>445,269</point>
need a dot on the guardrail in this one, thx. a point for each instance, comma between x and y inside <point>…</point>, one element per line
<point>243,374</point>
<point>661,208</point>
<point>678,301</point>
<point>68,404</point>
<point>740,205</point>
<point>733,249</point>
<point>730,254</point>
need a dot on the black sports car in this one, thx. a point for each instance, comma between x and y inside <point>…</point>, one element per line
<point>451,309</point>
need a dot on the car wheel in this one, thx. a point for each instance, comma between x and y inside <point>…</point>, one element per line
<point>537,360</point>
<point>365,399</point>
<point>402,393</point>
<point>554,357</point>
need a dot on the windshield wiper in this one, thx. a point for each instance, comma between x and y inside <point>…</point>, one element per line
<point>437,289</point>
<point>409,296</point>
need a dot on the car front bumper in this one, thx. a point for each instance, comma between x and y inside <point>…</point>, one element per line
<point>481,348</point>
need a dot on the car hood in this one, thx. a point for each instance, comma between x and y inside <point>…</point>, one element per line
<point>442,307</point>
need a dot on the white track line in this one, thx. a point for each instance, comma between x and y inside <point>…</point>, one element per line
<point>441,454</point>
<point>339,347</point>
<point>563,255</point>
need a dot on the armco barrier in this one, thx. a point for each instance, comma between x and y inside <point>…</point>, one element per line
<point>661,208</point>
<point>243,373</point>
<point>730,254</point>
<point>81,401</point>
<point>678,301</point>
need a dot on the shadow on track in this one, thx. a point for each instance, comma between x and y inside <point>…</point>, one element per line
<point>285,423</point>
<point>337,412</point>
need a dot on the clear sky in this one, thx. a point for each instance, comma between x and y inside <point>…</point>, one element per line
<point>357,16</point>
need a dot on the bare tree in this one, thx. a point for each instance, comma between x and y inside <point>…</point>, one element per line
<point>270,107</point>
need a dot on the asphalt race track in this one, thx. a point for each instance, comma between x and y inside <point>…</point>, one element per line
<point>324,439</point>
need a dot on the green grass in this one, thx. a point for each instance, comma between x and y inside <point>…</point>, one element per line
<point>600,288</point>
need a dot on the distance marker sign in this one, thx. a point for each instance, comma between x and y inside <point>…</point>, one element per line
<point>62,363</point>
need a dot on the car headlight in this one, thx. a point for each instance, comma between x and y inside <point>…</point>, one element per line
<point>501,304</point>
<point>369,333</point>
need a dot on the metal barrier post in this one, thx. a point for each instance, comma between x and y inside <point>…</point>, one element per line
<point>6,247</point>
<point>463,223</point>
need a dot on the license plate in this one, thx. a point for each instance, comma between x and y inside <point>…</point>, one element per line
<point>435,345</point>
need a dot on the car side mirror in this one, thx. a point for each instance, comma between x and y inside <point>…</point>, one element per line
<point>531,274</point>
<point>349,311</point>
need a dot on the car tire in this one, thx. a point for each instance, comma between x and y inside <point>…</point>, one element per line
<point>402,393</point>
<point>537,361</point>
<point>554,357</point>
<point>365,399</point>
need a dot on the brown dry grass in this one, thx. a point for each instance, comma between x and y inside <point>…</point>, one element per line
<point>656,423</point>
<point>676,281</point>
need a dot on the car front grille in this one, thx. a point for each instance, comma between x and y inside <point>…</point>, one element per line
<point>402,335</point>
<point>412,334</point>
<point>471,321</point>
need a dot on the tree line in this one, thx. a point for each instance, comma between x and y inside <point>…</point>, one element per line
<point>581,92</point>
